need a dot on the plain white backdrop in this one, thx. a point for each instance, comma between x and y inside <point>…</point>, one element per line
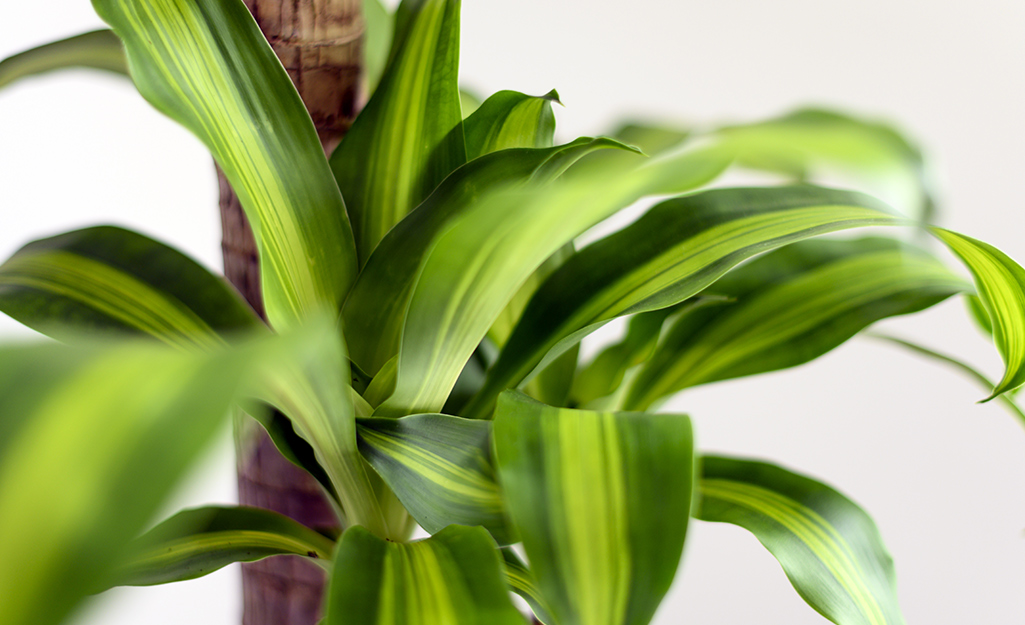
<point>943,477</point>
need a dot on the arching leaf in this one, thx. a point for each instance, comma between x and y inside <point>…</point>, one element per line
<point>509,119</point>
<point>99,49</point>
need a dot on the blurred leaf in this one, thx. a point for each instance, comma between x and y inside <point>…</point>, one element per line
<point>505,237</point>
<point>966,369</point>
<point>197,542</point>
<point>601,501</point>
<point>440,469</point>
<point>670,254</point>
<point>395,154</point>
<point>377,39</point>
<point>208,66</point>
<point>292,446</point>
<point>454,577</point>
<point>829,548</point>
<point>99,49</point>
<point>651,139</point>
<point>522,582</point>
<point>91,442</point>
<point>792,306</point>
<point>509,119</point>
<point>809,142</point>
<point>1001,285</point>
<point>468,102</point>
<point>374,313</point>
<point>113,280</point>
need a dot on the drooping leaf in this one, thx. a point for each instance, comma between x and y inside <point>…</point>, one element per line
<point>509,119</point>
<point>292,446</point>
<point>792,306</point>
<point>374,313</point>
<point>454,577</point>
<point>601,502</point>
<point>208,66</point>
<point>829,548</point>
<point>99,49</point>
<point>197,542</point>
<point>409,136</point>
<point>504,238</point>
<point>809,142</point>
<point>961,366</point>
<point>440,468</point>
<point>1001,285</point>
<point>522,582</point>
<point>377,39</point>
<point>651,139</point>
<point>671,253</point>
<point>91,441</point>
<point>114,280</point>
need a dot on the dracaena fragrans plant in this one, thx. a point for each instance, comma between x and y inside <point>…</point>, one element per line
<point>425,295</point>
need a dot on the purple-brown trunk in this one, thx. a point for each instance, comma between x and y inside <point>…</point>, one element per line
<point>320,44</point>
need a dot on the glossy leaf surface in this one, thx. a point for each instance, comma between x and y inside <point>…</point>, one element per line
<point>208,66</point>
<point>409,135</point>
<point>601,502</point>
<point>1001,285</point>
<point>509,119</point>
<point>791,306</point>
<point>829,548</point>
<point>454,577</point>
<point>108,279</point>
<point>104,433</point>
<point>197,542</point>
<point>440,468</point>
<point>375,311</point>
<point>671,253</point>
<point>99,49</point>
<point>504,238</point>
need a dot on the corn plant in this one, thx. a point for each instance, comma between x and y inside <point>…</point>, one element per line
<point>425,296</point>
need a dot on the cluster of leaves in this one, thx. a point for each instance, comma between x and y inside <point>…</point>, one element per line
<point>447,287</point>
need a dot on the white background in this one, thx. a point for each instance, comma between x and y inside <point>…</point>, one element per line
<point>942,476</point>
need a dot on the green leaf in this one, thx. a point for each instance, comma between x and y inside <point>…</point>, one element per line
<point>91,442</point>
<point>670,254</point>
<point>197,542</point>
<point>601,501</point>
<point>505,237</point>
<point>377,39</point>
<point>293,447</point>
<point>409,136</point>
<point>510,119</point>
<point>792,306</point>
<point>829,548</point>
<point>454,577</point>
<point>650,139</point>
<point>809,142</point>
<point>469,101</point>
<point>208,66</point>
<point>521,580</point>
<point>1001,285</point>
<point>99,49</point>
<point>112,280</point>
<point>440,469</point>
<point>374,313</point>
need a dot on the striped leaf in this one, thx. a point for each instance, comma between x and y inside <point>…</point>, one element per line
<point>454,577</point>
<point>409,136</point>
<point>792,306</point>
<point>440,469</point>
<point>509,119</point>
<point>197,542</point>
<point>505,237</point>
<point>601,501</point>
<point>114,280</point>
<point>207,66</point>
<point>671,253</point>
<point>99,49</point>
<point>829,548</point>
<point>522,582</point>
<point>807,143</point>
<point>376,308</point>
<point>1001,285</point>
<point>83,427</point>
